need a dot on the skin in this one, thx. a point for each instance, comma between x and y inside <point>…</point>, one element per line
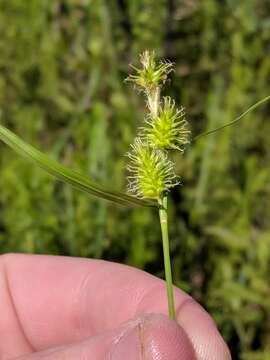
<point>70,308</point>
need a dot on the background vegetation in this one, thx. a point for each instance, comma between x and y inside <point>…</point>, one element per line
<point>62,68</point>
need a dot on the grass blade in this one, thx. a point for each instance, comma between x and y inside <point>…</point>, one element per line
<point>67,175</point>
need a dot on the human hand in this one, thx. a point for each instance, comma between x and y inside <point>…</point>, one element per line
<point>69,308</point>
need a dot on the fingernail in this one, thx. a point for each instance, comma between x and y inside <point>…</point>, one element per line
<point>128,346</point>
<point>153,337</point>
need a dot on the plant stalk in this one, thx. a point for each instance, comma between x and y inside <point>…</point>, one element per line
<point>163,216</point>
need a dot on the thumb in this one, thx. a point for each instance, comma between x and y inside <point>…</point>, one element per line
<point>150,337</point>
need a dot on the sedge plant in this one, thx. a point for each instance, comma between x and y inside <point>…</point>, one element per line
<point>151,172</point>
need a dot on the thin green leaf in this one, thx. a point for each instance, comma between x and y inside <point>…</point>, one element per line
<point>67,175</point>
<point>251,108</point>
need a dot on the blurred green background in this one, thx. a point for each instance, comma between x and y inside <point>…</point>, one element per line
<point>62,67</point>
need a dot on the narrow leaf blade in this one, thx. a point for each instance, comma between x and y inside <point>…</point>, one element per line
<point>67,175</point>
<point>233,122</point>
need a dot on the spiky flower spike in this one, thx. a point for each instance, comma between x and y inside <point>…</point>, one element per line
<point>151,77</point>
<point>152,73</point>
<point>167,130</point>
<point>152,172</point>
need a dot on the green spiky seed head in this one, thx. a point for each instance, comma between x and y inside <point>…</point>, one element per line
<point>152,74</point>
<point>152,174</point>
<point>168,130</point>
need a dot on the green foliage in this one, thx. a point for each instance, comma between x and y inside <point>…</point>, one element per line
<point>62,68</point>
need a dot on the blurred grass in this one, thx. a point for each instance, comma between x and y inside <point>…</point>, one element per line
<point>62,68</point>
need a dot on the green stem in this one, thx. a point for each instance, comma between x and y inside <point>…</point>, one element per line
<point>166,253</point>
